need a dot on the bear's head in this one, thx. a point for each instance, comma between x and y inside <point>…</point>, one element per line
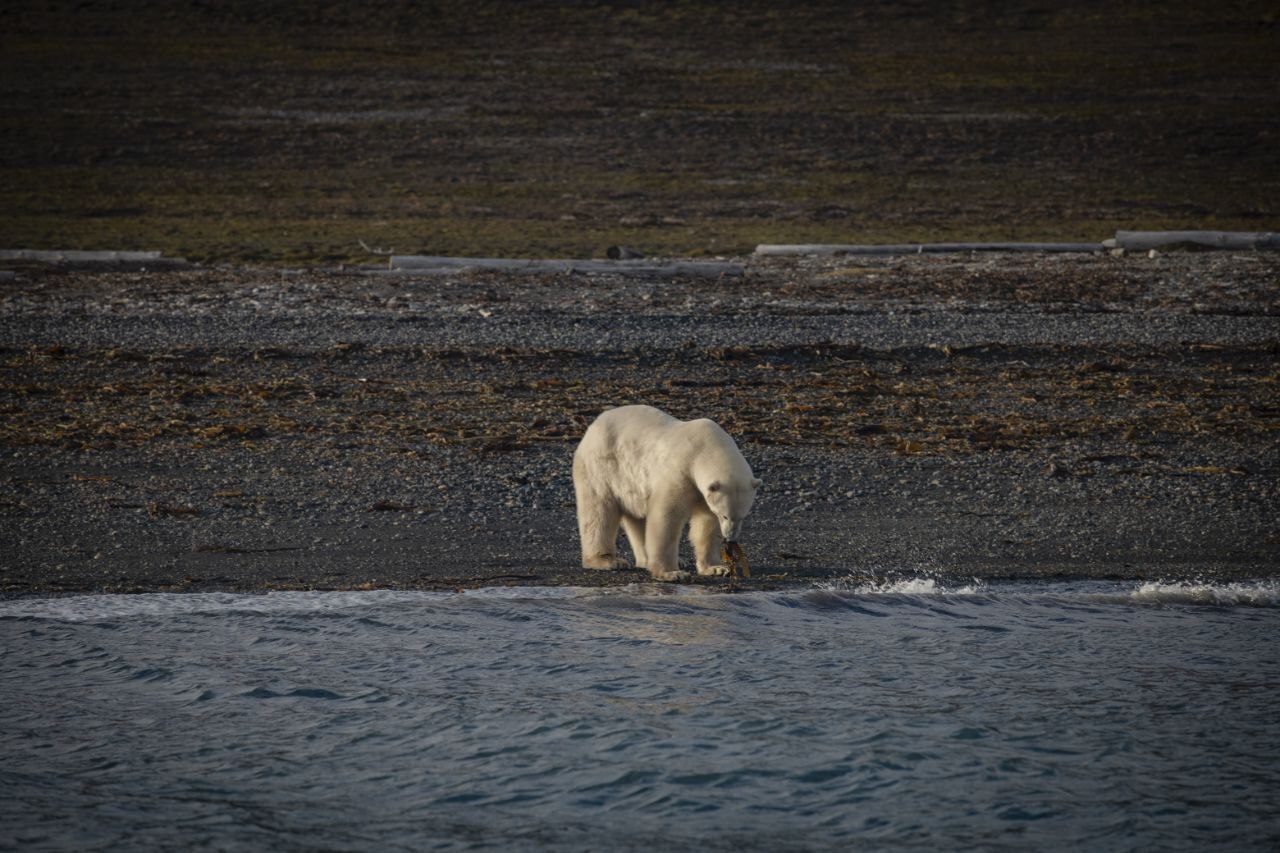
<point>731,501</point>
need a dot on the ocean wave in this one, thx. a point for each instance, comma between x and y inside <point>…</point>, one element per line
<point>107,607</point>
<point>110,607</point>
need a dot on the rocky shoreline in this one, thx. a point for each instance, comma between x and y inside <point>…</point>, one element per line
<point>977,415</point>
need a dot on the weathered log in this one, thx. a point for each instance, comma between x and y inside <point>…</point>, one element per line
<point>920,248</point>
<point>434,265</point>
<point>79,256</point>
<point>1141,241</point>
<point>75,255</point>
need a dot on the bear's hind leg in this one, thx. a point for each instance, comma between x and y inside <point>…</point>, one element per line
<point>635,535</point>
<point>704,534</point>
<point>598,519</point>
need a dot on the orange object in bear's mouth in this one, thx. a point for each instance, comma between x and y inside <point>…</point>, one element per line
<point>736,559</point>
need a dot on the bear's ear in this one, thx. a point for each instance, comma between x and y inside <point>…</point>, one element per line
<point>756,482</point>
<point>714,487</point>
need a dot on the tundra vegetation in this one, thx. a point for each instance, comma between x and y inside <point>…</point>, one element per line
<point>271,133</point>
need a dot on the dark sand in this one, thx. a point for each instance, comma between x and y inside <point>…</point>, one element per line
<point>982,416</point>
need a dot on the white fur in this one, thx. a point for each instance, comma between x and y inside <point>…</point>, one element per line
<point>648,472</point>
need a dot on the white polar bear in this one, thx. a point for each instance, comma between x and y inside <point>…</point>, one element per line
<point>641,468</point>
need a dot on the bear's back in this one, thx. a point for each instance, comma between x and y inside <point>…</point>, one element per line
<point>633,422</point>
<point>653,429</point>
<point>625,430</point>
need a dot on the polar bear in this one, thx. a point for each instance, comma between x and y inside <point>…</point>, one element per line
<point>641,468</point>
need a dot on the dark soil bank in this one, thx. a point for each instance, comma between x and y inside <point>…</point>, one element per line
<point>976,415</point>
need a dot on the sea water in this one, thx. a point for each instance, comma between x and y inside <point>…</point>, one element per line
<point>908,714</point>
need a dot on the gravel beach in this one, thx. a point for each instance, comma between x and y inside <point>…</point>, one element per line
<point>977,415</point>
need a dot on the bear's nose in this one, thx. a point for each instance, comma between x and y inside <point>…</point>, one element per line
<point>730,530</point>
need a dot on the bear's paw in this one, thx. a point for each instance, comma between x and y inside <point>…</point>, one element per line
<point>606,561</point>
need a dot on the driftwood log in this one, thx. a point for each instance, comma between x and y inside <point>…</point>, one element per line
<point>1137,241</point>
<point>1141,241</point>
<point>76,256</point>
<point>920,248</point>
<point>434,265</point>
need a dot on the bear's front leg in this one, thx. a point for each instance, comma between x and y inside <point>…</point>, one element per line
<point>662,529</point>
<point>704,535</point>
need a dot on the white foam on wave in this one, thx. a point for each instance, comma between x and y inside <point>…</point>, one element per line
<point>1263,593</point>
<point>1258,594</point>
<point>903,586</point>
